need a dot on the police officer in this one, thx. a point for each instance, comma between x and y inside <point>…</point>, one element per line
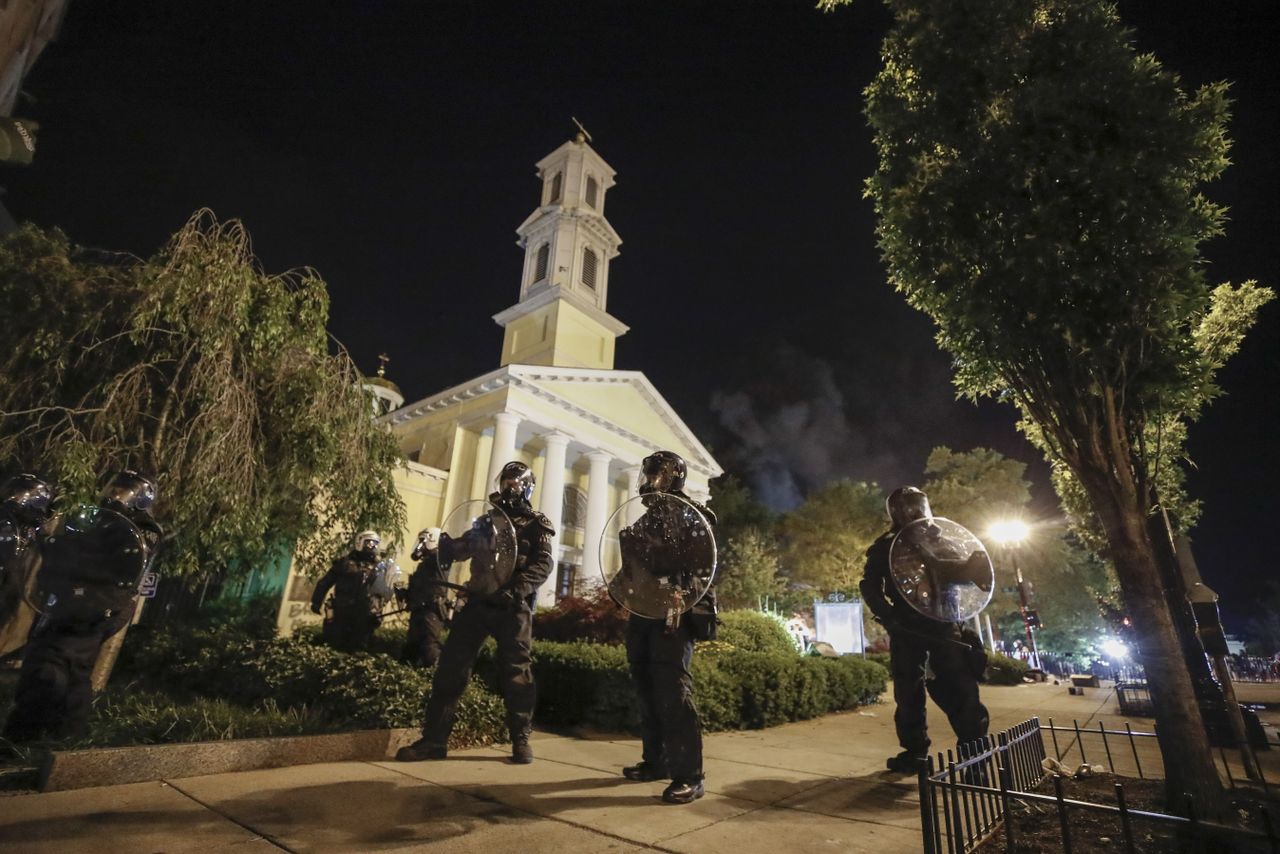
<point>25,500</point>
<point>354,613</point>
<point>506,615</point>
<point>425,600</point>
<point>918,646</point>
<point>659,656</point>
<point>95,584</point>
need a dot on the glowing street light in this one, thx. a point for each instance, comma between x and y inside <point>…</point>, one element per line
<point>1009,532</point>
<point>1012,533</point>
<point>1115,649</point>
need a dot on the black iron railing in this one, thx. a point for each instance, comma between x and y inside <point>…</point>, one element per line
<point>965,797</point>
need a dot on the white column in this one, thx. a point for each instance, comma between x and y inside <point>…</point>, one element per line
<point>633,489</point>
<point>504,444</point>
<point>551,502</point>
<point>597,514</point>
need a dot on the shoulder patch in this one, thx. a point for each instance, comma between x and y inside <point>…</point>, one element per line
<point>543,522</point>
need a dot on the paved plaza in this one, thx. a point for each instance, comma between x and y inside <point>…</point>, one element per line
<point>803,787</point>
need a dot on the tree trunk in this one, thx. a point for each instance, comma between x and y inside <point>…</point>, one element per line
<point>1180,728</point>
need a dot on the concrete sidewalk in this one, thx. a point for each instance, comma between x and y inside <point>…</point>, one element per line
<point>803,787</point>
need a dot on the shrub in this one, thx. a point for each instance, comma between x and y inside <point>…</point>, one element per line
<point>880,658</point>
<point>253,617</point>
<point>1003,670</point>
<point>595,618</point>
<point>128,716</point>
<point>589,684</point>
<point>754,631</point>
<point>344,691</point>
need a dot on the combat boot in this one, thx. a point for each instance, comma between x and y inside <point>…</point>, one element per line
<point>421,750</point>
<point>683,792</point>
<point>521,750</point>
<point>905,762</point>
<point>645,772</point>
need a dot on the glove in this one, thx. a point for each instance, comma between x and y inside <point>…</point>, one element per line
<point>891,624</point>
<point>315,608</point>
<point>508,598</point>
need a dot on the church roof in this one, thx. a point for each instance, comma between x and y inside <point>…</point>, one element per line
<point>593,395</point>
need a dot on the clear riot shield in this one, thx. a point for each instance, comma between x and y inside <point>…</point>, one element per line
<point>387,578</point>
<point>657,556</point>
<point>941,569</point>
<point>15,562</point>
<point>93,558</point>
<point>478,547</point>
<point>10,537</point>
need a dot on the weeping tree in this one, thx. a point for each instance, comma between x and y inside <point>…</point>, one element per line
<point>1038,196</point>
<point>199,368</point>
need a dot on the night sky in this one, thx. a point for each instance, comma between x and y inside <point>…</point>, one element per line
<point>391,145</point>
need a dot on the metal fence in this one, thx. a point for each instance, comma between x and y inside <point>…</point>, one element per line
<point>965,797</point>
<point>1253,668</point>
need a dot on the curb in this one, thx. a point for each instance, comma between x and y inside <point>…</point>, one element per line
<point>63,770</point>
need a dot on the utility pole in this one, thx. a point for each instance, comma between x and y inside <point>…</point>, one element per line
<point>1028,616</point>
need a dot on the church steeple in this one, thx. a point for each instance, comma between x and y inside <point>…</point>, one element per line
<point>561,318</point>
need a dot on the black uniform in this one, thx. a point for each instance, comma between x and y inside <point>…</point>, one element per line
<point>427,611</point>
<point>915,640</point>
<point>19,558</point>
<point>96,596</point>
<point>507,617</point>
<point>659,659</point>
<point>354,617</point>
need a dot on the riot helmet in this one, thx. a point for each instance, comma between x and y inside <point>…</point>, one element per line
<point>428,541</point>
<point>905,505</point>
<point>663,471</point>
<point>515,483</point>
<point>367,542</point>
<point>27,498</point>
<point>129,490</point>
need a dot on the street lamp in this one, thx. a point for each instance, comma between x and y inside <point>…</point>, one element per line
<point>1011,533</point>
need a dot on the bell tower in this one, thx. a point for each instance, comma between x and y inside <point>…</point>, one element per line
<point>561,318</point>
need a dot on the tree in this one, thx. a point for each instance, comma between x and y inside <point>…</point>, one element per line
<point>826,537</point>
<point>737,510</point>
<point>1038,196</point>
<point>982,486</point>
<point>199,368</point>
<point>748,570</point>
<point>976,488</point>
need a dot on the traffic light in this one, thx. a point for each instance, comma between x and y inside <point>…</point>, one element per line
<point>1033,619</point>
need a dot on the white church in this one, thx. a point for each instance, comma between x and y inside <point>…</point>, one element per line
<point>555,400</point>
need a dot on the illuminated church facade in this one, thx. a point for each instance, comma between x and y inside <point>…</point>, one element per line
<point>555,400</point>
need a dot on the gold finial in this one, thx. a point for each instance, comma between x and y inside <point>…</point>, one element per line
<point>582,132</point>
<point>383,358</point>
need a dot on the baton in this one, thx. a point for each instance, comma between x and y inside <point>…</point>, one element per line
<point>458,587</point>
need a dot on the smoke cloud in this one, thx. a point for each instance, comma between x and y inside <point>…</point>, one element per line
<point>802,421</point>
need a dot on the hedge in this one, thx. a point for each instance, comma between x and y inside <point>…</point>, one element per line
<point>754,631</point>
<point>583,684</point>
<point>1003,670</point>
<point>337,690</point>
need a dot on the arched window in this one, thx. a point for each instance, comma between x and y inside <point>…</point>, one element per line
<point>555,189</point>
<point>574,512</point>
<point>589,263</point>
<point>593,190</point>
<point>540,263</point>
